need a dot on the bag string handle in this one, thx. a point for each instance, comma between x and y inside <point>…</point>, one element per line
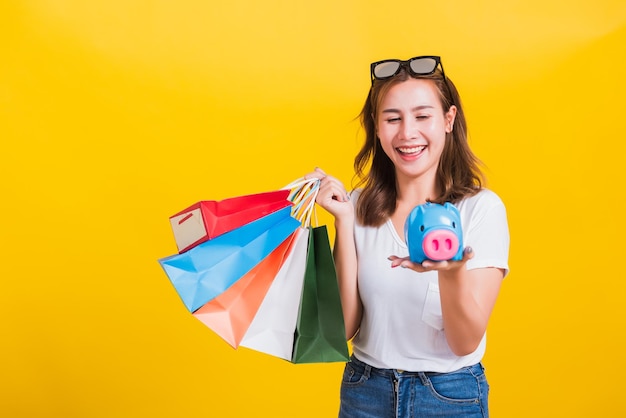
<point>303,194</point>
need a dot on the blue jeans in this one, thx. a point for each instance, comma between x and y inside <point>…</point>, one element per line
<point>368,392</point>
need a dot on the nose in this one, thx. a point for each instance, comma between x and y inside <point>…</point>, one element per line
<point>409,128</point>
<point>440,244</point>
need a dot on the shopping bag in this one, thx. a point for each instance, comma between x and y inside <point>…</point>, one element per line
<point>273,328</point>
<point>300,319</point>
<point>230,314</point>
<point>208,219</point>
<point>320,332</point>
<point>208,269</point>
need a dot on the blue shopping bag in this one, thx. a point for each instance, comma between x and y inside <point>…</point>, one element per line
<point>210,268</point>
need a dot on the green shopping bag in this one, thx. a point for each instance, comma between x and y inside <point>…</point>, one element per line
<point>320,335</point>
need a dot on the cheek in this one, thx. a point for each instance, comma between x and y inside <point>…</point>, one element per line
<point>385,140</point>
<point>385,133</point>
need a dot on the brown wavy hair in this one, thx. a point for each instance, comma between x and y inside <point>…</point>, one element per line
<point>458,173</point>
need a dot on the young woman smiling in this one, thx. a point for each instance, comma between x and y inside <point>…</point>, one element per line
<point>418,331</point>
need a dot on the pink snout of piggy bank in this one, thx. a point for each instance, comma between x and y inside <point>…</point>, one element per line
<point>433,232</point>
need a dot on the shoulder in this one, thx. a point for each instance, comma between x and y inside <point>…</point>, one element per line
<point>485,199</point>
<point>483,208</point>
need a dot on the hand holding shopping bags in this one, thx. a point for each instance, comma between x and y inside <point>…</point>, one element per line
<point>301,319</point>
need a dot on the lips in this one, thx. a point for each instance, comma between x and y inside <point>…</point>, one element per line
<point>411,150</point>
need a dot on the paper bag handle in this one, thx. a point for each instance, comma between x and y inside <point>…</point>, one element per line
<point>303,194</point>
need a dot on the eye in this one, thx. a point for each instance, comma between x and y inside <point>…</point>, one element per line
<point>421,228</point>
<point>453,224</point>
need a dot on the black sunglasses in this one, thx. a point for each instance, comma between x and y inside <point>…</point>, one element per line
<point>422,65</point>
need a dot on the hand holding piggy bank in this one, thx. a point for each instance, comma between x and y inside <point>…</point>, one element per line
<point>433,232</point>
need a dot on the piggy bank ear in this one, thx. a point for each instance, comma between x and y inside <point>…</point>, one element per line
<point>450,207</point>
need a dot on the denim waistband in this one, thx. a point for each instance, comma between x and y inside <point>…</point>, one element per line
<point>393,372</point>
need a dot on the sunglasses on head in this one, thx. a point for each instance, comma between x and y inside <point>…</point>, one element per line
<point>422,65</point>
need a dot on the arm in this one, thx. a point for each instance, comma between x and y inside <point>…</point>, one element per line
<point>346,264</point>
<point>333,197</point>
<point>467,298</point>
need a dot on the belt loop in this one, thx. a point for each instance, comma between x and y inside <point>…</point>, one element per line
<point>368,370</point>
<point>424,378</point>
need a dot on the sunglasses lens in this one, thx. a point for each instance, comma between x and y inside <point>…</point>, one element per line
<point>423,65</point>
<point>386,69</point>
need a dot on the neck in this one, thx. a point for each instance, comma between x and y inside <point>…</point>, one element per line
<point>416,191</point>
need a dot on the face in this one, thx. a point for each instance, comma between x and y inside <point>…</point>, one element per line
<point>412,127</point>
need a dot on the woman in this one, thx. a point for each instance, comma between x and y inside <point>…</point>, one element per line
<point>418,331</point>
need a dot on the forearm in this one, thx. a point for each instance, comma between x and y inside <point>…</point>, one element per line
<point>467,299</point>
<point>346,265</point>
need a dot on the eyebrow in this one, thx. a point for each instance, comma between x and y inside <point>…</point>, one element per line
<point>415,109</point>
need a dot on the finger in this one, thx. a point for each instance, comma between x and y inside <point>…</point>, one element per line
<point>435,265</point>
<point>468,253</point>
<point>333,189</point>
<point>404,263</point>
<point>395,261</point>
<point>317,173</point>
<point>313,175</point>
<point>408,264</point>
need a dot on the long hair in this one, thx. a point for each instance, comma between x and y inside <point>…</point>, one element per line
<point>458,172</point>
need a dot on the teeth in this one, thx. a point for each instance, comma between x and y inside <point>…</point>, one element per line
<point>412,150</point>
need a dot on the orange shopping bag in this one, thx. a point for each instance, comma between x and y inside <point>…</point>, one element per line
<point>230,314</point>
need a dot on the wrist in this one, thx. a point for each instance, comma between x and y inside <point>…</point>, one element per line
<point>455,274</point>
<point>345,222</point>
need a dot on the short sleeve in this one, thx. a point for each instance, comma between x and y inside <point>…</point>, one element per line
<point>485,229</point>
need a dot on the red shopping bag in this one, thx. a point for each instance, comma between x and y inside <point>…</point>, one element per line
<point>208,219</point>
<point>230,314</point>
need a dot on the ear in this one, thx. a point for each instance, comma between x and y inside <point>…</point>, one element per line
<point>450,116</point>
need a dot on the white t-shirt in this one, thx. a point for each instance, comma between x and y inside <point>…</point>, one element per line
<point>402,325</point>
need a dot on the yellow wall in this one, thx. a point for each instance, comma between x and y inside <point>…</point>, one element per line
<point>116,114</point>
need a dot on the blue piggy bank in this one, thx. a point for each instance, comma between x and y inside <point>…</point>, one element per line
<point>433,232</point>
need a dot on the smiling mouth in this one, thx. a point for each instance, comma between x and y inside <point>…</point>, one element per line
<point>411,150</point>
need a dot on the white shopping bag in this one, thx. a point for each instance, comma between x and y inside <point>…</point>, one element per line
<point>273,328</point>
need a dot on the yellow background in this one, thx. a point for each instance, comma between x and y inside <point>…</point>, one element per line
<point>116,114</point>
